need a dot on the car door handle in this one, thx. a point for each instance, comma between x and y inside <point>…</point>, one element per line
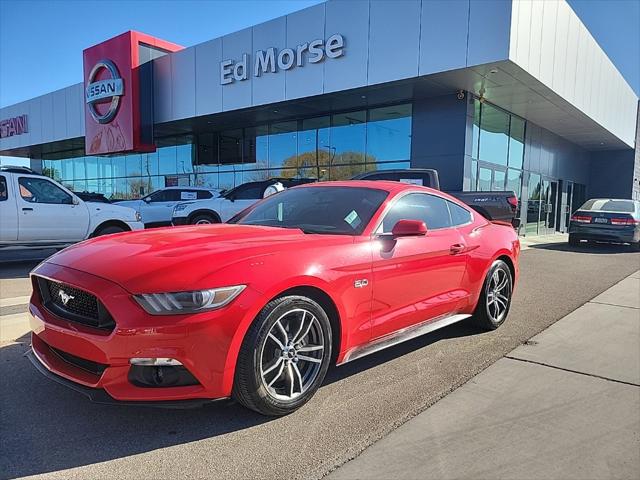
<point>27,209</point>
<point>457,248</point>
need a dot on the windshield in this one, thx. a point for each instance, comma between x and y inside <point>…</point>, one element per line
<point>605,205</point>
<point>330,210</point>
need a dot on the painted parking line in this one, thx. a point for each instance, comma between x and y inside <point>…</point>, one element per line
<point>13,326</point>
<point>10,302</point>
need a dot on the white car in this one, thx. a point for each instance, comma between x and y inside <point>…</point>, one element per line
<point>231,202</point>
<point>156,208</point>
<point>36,211</point>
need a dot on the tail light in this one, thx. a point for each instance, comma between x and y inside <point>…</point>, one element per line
<point>581,218</point>
<point>624,221</point>
<point>513,201</point>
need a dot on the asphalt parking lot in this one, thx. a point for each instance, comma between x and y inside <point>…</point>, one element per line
<point>49,430</point>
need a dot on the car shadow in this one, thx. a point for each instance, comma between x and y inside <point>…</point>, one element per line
<point>584,247</point>
<point>47,427</point>
<point>458,330</point>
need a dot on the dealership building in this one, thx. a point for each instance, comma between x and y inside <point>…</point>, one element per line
<point>495,95</point>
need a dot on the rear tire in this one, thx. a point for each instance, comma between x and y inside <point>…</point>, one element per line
<point>573,240</point>
<point>284,356</point>
<point>495,300</point>
<point>109,229</point>
<point>204,219</point>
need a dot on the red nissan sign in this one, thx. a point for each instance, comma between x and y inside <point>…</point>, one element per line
<point>118,86</point>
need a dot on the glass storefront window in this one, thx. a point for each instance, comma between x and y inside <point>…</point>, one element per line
<point>167,157</point>
<point>533,203</point>
<point>514,181</point>
<point>334,146</point>
<point>230,148</point>
<point>389,133</point>
<point>516,142</point>
<point>474,175</point>
<point>484,180</point>
<point>475,137</point>
<point>283,145</point>
<point>494,135</point>
<point>498,180</point>
<point>348,138</point>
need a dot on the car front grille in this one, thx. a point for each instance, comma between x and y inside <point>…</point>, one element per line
<point>74,304</point>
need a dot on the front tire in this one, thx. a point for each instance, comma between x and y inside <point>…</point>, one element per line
<point>204,219</point>
<point>109,229</point>
<point>284,356</point>
<point>495,299</point>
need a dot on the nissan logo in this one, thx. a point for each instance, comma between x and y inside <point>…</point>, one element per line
<point>96,92</point>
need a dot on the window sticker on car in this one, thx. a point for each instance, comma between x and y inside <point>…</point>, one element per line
<point>353,219</point>
<point>280,212</point>
<point>188,195</point>
<point>412,181</point>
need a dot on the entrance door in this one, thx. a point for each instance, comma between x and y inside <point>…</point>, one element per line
<point>568,207</point>
<point>549,207</point>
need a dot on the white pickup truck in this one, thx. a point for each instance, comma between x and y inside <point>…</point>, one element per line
<point>36,211</point>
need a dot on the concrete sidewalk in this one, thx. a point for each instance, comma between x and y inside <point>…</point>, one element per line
<point>564,405</point>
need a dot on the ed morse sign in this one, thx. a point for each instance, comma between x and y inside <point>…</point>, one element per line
<point>117,86</point>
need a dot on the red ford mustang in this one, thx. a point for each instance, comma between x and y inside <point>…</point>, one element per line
<point>259,308</point>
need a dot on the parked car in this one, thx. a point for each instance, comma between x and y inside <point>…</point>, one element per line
<point>230,202</point>
<point>92,197</point>
<point>606,220</point>
<point>259,308</point>
<point>493,205</point>
<point>157,207</point>
<point>37,211</point>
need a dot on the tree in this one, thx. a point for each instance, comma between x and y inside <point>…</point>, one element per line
<point>325,165</point>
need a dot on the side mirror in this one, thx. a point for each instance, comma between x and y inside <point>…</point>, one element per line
<point>409,228</point>
<point>75,200</point>
<point>146,199</point>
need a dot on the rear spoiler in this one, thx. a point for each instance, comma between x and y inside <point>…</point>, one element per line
<point>515,223</point>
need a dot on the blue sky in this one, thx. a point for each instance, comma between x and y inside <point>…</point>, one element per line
<point>41,42</point>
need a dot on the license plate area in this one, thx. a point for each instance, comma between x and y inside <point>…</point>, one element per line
<point>600,220</point>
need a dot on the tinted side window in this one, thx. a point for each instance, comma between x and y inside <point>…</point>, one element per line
<point>249,192</point>
<point>203,195</point>
<point>3,188</point>
<point>159,196</point>
<point>39,190</point>
<point>432,210</point>
<point>459,215</point>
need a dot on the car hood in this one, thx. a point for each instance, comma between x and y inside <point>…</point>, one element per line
<point>184,258</point>
<point>119,212</point>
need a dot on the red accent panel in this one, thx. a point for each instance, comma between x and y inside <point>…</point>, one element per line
<point>122,133</point>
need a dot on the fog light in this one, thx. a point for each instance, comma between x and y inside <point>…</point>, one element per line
<point>155,362</point>
<point>165,376</point>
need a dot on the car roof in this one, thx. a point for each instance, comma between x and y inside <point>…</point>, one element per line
<point>390,186</point>
<point>188,187</point>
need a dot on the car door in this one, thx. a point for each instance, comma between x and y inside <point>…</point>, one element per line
<point>8,212</point>
<point>242,197</point>
<point>46,212</point>
<point>416,278</point>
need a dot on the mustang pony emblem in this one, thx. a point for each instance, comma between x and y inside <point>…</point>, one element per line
<point>65,297</point>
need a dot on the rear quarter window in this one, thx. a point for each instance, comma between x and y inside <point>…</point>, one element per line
<point>3,189</point>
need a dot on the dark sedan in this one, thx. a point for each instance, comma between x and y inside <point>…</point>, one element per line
<point>606,220</point>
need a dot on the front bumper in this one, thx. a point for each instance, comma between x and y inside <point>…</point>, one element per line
<point>99,395</point>
<point>136,225</point>
<point>201,342</point>
<point>177,221</point>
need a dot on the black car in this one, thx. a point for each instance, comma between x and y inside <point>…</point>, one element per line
<point>92,197</point>
<point>606,220</point>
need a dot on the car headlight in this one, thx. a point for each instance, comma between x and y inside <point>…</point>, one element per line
<point>177,303</point>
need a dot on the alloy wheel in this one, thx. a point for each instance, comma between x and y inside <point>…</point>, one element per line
<point>291,355</point>
<point>498,295</point>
